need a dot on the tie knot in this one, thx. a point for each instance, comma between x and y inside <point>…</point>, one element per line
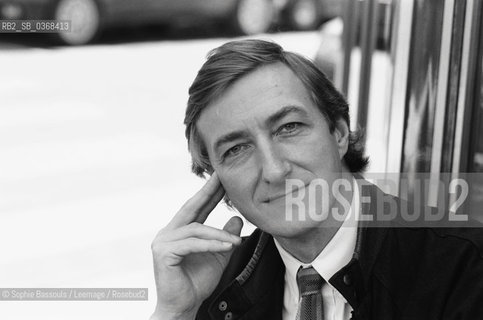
<point>309,281</point>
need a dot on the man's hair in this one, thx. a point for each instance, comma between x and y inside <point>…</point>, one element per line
<point>233,60</point>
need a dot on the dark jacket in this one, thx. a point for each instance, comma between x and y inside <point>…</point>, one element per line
<point>395,273</point>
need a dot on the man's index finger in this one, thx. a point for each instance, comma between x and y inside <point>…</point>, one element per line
<point>200,205</point>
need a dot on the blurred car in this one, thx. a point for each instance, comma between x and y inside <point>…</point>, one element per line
<point>89,17</point>
<point>310,14</point>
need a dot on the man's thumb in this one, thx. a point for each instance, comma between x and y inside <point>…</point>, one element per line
<point>234,226</point>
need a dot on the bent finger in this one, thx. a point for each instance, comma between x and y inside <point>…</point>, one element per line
<point>182,248</point>
<point>202,231</point>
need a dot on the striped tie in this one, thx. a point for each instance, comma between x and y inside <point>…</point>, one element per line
<point>310,304</point>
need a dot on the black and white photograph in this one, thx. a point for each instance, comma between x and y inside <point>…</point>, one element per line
<point>241,159</point>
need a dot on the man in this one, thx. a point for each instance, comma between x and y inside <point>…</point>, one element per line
<point>274,135</point>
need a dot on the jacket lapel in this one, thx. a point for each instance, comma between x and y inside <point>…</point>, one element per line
<point>257,293</point>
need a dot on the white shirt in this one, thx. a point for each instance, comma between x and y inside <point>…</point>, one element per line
<point>333,257</point>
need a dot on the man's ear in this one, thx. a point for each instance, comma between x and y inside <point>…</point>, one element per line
<point>341,134</point>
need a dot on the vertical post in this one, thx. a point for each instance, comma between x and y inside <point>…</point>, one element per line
<point>400,55</point>
<point>348,42</point>
<point>441,102</point>
<point>368,42</point>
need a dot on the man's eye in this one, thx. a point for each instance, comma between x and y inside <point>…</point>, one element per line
<point>288,128</point>
<point>233,151</point>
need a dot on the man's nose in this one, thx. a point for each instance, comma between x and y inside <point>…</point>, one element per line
<point>275,165</point>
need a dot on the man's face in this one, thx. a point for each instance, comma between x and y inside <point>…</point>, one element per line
<point>264,130</point>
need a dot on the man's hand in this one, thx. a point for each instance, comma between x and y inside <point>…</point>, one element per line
<point>189,257</point>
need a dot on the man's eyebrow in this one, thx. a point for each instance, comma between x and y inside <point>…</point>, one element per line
<point>228,138</point>
<point>280,114</point>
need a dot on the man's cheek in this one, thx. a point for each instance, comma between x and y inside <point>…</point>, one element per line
<point>232,195</point>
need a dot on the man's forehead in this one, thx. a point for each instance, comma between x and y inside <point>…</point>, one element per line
<point>264,84</point>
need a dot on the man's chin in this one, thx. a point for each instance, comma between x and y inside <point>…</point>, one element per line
<point>289,233</point>
<point>292,229</point>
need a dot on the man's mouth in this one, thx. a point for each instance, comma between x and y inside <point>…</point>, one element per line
<point>273,198</point>
<point>282,195</point>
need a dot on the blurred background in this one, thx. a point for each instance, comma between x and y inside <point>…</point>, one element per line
<point>93,159</point>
